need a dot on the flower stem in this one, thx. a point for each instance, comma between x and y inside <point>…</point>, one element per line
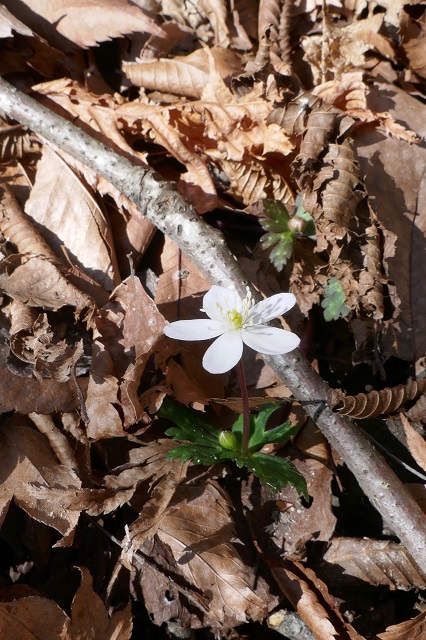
<point>246,408</point>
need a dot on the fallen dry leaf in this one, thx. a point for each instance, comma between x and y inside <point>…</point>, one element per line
<point>48,350</point>
<point>199,532</point>
<point>22,392</point>
<point>35,275</point>
<point>32,618</point>
<point>182,75</point>
<point>296,525</point>
<point>376,562</point>
<point>415,442</point>
<point>73,223</point>
<point>128,328</point>
<point>312,601</point>
<point>72,22</point>
<point>28,460</point>
<point>145,463</point>
<point>411,630</point>
<point>10,24</point>
<point>400,216</point>
<point>35,617</point>
<point>89,616</point>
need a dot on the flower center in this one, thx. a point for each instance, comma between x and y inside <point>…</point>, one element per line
<point>235,319</point>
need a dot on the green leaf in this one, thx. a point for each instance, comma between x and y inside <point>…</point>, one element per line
<point>282,250</point>
<point>278,434</point>
<point>279,237</point>
<point>259,436</point>
<point>237,429</point>
<point>277,473</point>
<point>198,454</point>
<point>334,301</point>
<point>276,216</point>
<point>190,425</point>
<point>280,233</point>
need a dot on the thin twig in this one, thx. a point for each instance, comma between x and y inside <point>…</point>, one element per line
<point>160,202</point>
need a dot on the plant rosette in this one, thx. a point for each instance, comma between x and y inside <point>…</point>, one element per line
<point>204,444</point>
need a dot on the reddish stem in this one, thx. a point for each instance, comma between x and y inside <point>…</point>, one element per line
<point>246,408</point>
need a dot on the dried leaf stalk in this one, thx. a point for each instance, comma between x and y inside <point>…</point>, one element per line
<point>160,203</point>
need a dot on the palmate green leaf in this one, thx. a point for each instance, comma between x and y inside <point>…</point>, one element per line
<point>279,434</point>
<point>259,436</point>
<point>199,454</point>
<point>190,426</point>
<point>276,216</point>
<point>276,473</point>
<point>282,244</point>
<point>334,301</point>
<point>278,236</point>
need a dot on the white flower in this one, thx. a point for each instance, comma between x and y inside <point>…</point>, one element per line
<point>235,322</point>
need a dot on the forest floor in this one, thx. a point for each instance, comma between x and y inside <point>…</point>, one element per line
<point>152,151</point>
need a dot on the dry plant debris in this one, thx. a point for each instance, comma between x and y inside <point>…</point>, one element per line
<point>288,144</point>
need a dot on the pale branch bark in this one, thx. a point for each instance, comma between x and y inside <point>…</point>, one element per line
<point>168,211</point>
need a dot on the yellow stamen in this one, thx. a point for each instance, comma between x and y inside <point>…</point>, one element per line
<point>235,318</point>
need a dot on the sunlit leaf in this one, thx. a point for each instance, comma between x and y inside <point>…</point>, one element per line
<point>282,229</point>
<point>334,301</point>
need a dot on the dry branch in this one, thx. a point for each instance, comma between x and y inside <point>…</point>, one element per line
<point>162,205</point>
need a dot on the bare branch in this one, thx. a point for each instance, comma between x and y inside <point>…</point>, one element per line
<point>168,211</point>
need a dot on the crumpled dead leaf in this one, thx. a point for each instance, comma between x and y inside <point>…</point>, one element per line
<point>145,463</point>
<point>312,601</point>
<point>35,342</point>
<point>376,562</point>
<point>35,275</point>
<point>198,530</point>
<point>182,75</point>
<point>20,391</point>
<point>65,23</point>
<point>415,442</point>
<point>36,617</point>
<point>128,328</point>
<point>72,222</point>
<point>393,172</point>
<point>26,461</point>
<point>9,24</point>
<point>410,630</point>
<point>296,525</point>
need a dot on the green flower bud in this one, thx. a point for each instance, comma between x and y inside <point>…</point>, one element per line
<point>227,440</point>
<point>296,225</point>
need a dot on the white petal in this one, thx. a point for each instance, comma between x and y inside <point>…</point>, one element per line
<point>269,340</point>
<point>224,353</point>
<point>219,300</point>
<point>194,329</point>
<point>271,308</point>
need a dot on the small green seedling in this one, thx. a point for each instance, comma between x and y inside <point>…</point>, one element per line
<point>204,444</point>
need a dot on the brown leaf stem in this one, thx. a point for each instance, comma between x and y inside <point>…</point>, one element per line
<point>160,203</point>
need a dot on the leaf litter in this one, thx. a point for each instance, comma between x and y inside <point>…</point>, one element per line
<point>297,130</point>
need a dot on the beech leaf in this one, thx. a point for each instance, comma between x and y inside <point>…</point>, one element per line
<point>84,23</point>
